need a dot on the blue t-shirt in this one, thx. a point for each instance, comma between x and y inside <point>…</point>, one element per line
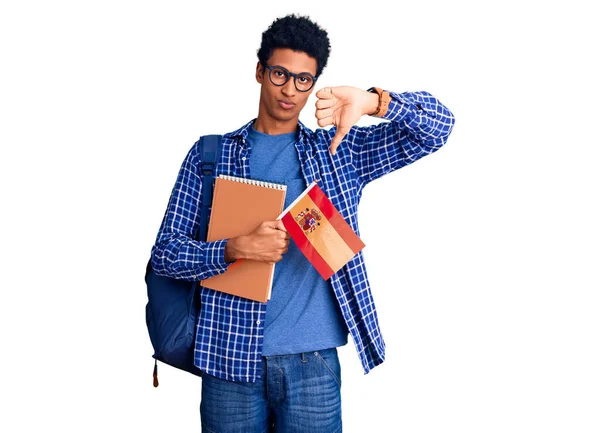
<point>302,314</point>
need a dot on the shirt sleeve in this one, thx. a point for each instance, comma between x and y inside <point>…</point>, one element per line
<point>418,125</point>
<point>176,253</point>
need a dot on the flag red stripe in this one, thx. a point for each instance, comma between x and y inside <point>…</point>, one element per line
<point>336,219</point>
<point>306,247</point>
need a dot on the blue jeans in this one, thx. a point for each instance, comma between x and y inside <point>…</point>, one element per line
<point>296,393</point>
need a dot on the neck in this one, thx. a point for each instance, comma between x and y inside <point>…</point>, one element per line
<point>268,125</point>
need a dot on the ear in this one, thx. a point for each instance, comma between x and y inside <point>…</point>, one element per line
<point>260,73</point>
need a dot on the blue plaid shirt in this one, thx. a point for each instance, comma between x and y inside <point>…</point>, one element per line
<point>230,329</point>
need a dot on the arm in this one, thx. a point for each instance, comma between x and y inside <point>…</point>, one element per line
<point>175,253</point>
<point>419,125</point>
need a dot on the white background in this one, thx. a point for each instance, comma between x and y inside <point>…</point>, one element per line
<point>483,257</point>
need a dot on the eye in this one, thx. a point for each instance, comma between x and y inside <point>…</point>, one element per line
<point>278,72</point>
<point>305,80</point>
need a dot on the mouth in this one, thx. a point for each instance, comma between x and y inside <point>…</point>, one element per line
<point>286,105</point>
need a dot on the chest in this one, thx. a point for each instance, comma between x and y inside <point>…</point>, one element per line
<point>305,161</point>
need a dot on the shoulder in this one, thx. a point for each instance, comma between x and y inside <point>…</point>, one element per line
<point>320,137</point>
<point>229,138</point>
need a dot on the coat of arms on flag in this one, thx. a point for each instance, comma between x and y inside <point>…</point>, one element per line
<point>309,220</point>
<point>320,231</point>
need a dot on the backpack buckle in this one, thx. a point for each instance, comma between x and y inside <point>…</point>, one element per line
<point>207,168</point>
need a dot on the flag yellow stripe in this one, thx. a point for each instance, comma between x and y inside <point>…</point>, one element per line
<point>325,239</point>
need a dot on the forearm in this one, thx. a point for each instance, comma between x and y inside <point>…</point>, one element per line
<point>418,125</point>
<point>184,258</point>
<point>424,118</point>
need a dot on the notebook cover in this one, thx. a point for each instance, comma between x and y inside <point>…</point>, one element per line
<point>237,209</point>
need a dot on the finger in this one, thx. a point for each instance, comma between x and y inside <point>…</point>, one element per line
<point>337,139</point>
<point>323,113</point>
<point>275,225</point>
<point>325,121</point>
<point>284,235</point>
<point>325,93</point>
<point>334,145</point>
<point>324,103</point>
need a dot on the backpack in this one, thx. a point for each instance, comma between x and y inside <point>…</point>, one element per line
<point>173,304</point>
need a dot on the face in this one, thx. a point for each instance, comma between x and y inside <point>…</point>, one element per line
<point>284,103</point>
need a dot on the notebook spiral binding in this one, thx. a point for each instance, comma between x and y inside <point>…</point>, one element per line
<point>254,182</point>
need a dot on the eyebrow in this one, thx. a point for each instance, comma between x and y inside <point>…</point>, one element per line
<point>288,69</point>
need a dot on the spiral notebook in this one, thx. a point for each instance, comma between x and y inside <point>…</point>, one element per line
<point>239,205</point>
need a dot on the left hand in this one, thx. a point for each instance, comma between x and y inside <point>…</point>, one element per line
<point>342,106</point>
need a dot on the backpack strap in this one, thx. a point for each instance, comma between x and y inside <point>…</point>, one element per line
<point>210,152</point>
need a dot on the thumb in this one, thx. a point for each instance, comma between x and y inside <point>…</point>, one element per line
<point>337,139</point>
<point>280,226</point>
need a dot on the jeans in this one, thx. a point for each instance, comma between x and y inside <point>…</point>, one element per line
<point>296,393</point>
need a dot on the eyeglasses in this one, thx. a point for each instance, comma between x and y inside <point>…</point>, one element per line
<point>279,76</point>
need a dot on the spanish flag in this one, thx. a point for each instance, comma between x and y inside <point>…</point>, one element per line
<point>320,231</point>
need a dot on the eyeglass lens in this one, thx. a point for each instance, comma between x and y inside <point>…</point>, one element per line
<point>280,76</point>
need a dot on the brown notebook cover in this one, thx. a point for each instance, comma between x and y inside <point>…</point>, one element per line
<point>239,206</point>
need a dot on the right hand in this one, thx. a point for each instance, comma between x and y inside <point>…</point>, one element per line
<point>267,243</point>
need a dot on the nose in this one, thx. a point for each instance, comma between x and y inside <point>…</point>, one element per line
<point>289,88</point>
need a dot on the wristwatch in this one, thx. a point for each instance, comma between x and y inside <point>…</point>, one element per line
<point>384,101</point>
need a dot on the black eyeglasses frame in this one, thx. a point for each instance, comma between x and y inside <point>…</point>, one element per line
<point>291,74</point>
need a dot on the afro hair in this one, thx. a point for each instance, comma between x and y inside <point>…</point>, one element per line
<point>298,33</point>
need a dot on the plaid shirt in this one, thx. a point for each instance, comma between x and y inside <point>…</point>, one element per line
<point>230,329</point>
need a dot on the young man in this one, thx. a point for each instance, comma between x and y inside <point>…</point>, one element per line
<point>274,366</point>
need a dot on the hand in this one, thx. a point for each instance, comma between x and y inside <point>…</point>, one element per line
<point>267,243</point>
<point>342,107</point>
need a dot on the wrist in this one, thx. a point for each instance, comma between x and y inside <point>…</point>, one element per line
<point>371,105</point>
<point>233,250</point>
<point>383,103</point>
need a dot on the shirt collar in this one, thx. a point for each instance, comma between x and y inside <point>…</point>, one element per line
<point>304,135</point>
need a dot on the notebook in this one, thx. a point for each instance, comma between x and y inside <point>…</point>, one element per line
<point>239,205</point>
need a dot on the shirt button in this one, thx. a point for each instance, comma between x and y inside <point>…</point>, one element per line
<point>243,158</point>
<point>258,322</point>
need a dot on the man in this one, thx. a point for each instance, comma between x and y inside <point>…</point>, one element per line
<point>274,366</point>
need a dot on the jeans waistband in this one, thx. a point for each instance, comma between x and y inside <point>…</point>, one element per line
<point>303,355</point>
